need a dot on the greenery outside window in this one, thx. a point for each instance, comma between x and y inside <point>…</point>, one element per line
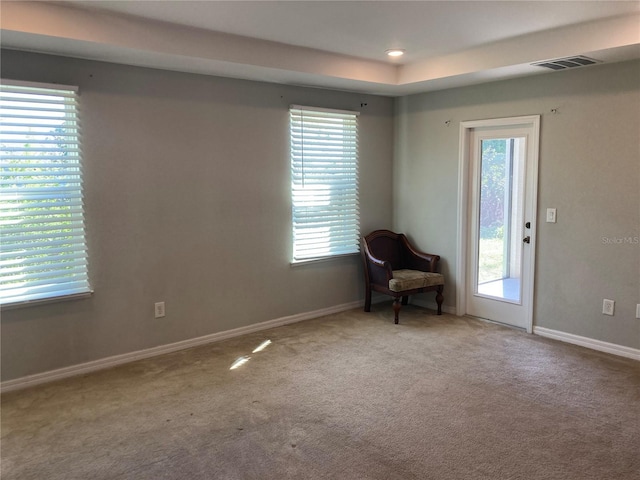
<point>42,236</point>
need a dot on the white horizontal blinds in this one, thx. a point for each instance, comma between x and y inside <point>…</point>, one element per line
<point>42,239</point>
<point>324,174</point>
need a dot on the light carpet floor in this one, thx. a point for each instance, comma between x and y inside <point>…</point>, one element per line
<point>347,396</point>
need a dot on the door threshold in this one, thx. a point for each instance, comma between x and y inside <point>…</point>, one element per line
<point>488,320</point>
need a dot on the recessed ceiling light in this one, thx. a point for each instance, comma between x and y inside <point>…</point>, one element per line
<point>395,52</point>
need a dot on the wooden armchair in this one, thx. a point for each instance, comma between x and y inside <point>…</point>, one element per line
<point>394,267</point>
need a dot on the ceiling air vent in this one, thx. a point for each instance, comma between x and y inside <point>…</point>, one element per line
<point>569,62</point>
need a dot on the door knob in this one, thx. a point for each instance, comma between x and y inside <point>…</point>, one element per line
<point>527,239</point>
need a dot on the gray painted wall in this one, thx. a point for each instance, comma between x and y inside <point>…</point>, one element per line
<point>187,201</point>
<point>187,198</point>
<point>589,170</point>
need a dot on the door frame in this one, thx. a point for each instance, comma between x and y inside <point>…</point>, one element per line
<point>464,175</point>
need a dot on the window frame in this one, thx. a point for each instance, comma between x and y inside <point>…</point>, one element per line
<point>331,133</point>
<point>57,232</point>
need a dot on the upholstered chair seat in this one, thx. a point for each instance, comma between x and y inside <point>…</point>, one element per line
<point>409,279</point>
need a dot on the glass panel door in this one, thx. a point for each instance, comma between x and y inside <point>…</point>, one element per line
<point>500,219</point>
<point>499,177</point>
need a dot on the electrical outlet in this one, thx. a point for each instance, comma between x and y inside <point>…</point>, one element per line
<point>607,306</point>
<point>638,310</point>
<point>159,309</point>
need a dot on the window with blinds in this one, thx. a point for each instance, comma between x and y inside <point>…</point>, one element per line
<point>42,237</point>
<point>324,182</point>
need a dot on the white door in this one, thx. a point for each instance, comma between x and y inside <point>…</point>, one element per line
<point>501,216</point>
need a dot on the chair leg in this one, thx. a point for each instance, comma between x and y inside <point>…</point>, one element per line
<point>405,300</point>
<point>367,299</point>
<point>439,298</point>
<point>396,309</point>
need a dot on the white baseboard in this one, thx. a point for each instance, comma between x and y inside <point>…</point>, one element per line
<point>420,302</point>
<point>431,305</point>
<point>599,345</point>
<point>103,363</point>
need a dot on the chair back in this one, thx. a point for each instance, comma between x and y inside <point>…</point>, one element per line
<point>386,245</point>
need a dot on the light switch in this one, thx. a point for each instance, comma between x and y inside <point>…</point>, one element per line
<point>551,215</point>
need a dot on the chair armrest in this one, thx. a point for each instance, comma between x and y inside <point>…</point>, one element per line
<point>417,260</point>
<point>380,271</point>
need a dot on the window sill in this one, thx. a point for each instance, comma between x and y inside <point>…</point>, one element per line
<point>311,261</point>
<point>45,301</point>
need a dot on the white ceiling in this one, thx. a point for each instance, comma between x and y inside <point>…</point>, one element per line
<point>336,44</point>
<point>366,29</point>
